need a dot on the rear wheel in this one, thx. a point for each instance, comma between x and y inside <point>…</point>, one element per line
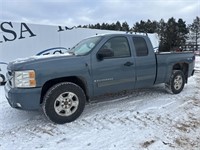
<point>177,82</point>
<point>64,102</point>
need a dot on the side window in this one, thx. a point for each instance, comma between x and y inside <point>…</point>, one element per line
<point>119,46</point>
<point>140,46</point>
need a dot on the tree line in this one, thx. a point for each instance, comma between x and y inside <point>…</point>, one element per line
<point>173,34</point>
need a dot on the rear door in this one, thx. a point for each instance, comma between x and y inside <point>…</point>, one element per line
<point>116,73</point>
<point>145,62</point>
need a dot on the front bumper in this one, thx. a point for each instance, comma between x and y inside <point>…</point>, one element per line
<point>26,99</point>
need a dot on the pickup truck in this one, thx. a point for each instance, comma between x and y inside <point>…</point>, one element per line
<point>100,65</point>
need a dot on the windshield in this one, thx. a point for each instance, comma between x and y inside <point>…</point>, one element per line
<point>85,46</point>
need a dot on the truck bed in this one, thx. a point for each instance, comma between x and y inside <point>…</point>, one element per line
<point>165,63</point>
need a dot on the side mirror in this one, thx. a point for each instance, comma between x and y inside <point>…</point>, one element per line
<point>103,53</point>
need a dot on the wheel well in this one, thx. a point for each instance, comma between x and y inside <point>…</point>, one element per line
<point>183,67</point>
<point>80,82</point>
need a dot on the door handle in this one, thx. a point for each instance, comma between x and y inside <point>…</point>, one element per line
<point>128,63</point>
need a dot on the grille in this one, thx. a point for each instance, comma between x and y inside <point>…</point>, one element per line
<point>9,76</point>
<point>9,73</point>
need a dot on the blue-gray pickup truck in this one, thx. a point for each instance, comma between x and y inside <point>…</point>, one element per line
<point>100,65</point>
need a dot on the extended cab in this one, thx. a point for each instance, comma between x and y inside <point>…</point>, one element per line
<point>96,66</point>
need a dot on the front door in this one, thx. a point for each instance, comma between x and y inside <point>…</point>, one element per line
<point>115,73</point>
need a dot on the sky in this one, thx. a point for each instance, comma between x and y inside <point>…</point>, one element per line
<point>84,12</point>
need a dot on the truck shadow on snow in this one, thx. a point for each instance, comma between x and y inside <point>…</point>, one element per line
<point>143,95</point>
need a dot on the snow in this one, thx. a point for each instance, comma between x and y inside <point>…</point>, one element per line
<point>148,119</point>
<point>27,59</point>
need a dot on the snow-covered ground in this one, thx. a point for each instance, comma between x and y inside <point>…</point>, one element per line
<point>149,119</point>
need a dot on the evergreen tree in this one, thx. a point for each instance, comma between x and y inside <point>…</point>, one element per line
<point>118,26</point>
<point>139,27</point>
<point>195,31</point>
<point>85,26</point>
<point>125,26</point>
<point>112,26</point>
<point>182,32</point>
<point>97,26</point>
<point>146,27</point>
<point>103,26</point>
<point>172,34</point>
<point>161,33</point>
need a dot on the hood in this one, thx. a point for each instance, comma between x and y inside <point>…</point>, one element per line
<point>41,57</point>
<point>22,63</point>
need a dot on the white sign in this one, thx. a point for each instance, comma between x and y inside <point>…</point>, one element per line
<point>18,40</point>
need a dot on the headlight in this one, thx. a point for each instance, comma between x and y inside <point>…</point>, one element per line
<point>24,79</point>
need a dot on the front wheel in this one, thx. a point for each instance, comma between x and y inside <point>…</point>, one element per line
<point>177,82</point>
<point>64,102</point>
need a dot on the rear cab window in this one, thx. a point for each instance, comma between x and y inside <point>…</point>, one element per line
<point>140,46</point>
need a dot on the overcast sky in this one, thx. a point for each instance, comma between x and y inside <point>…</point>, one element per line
<point>82,12</point>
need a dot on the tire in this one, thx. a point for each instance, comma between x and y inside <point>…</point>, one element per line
<point>177,82</point>
<point>64,102</point>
